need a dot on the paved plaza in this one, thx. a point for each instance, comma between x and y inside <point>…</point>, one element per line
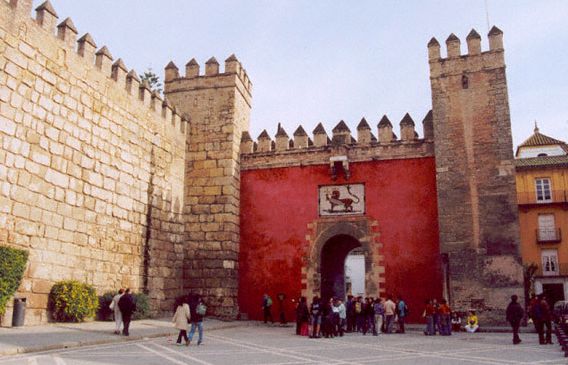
<point>279,346</point>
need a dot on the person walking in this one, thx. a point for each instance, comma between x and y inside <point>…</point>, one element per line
<point>197,311</point>
<point>180,320</point>
<point>359,314</point>
<point>369,315</point>
<point>315,312</point>
<point>117,315</point>
<point>546,319</point>
<point>436,316</point>
<point>429,317</point>
<point>445,311</point>
<point>379,315</point>
<point>402,312</point>
<point>127,306</point>
<point>535,313</point>
<point>302,316</point>
<point>350,308</point>
<point>342,317</point>
<point>267,308</point>
<point>515,314</point>
<point>390,309</point>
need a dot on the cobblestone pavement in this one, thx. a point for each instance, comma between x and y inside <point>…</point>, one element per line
<point>279,346</point>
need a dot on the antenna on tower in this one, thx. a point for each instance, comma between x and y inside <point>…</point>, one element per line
<point>487,15</point>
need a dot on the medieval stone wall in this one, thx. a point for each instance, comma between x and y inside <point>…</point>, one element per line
<point>479,229</point>
<point>219,107</point>
<point>91,165</point>
<point>301,150</point>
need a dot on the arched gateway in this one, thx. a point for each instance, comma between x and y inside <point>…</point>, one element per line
<point>330,241</point>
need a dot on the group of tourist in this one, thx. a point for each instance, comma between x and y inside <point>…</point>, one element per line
<point>441,319</point>
<point>332,317</point>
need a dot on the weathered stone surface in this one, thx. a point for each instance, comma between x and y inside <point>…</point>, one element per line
<point>219,107</point>
<point>72,141</point>
<point>477,206</point>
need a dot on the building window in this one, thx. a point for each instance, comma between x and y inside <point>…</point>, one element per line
<point>546,228</point>
<point>543,192</point>
<point>549,262</point>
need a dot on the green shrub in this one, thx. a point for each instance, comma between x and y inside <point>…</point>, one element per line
<point>105,313</point>
<point>12,266</point>
<point>72,301</point>
<point>142,306</point>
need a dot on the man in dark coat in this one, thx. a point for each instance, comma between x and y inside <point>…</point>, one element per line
<point>546,319</point>
<point>515,314</point>
<point>127,306</point>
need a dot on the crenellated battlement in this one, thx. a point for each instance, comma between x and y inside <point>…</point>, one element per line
<point>341,136</point>
<point>302,150</point>
<point>85,51</point>
<point>212,77</point>
<point>474,60</point>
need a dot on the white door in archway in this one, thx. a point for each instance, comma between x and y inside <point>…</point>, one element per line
<point>355,274</point>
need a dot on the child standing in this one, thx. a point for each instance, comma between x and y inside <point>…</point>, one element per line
<point>181,319</point>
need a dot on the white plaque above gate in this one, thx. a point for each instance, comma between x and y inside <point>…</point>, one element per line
<point>341,199</point>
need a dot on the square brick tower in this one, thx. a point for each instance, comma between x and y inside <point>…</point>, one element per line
<point>478,217</point>
<point>217,106</point>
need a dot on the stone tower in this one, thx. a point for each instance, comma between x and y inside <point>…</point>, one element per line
<point>479,232</point>
<point>217,106</point>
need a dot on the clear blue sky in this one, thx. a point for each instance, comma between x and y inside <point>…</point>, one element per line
<point>322,61</point>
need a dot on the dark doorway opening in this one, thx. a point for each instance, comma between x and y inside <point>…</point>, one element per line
<point>553,292</point>
<point>333,257</point>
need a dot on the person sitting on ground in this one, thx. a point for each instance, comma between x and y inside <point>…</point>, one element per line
<point>456,322</point>
<point>472,322</point>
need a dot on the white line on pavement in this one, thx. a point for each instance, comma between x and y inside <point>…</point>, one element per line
<point>283,352</point>
<point>32,360</point>
<point>182,354</point>
<point>146,348</point>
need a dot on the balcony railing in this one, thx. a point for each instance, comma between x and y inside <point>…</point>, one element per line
<point>552,270</point>
<point>556,196</point>
<point>548,235</point>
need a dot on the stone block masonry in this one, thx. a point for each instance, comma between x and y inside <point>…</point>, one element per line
<point>219,107</point>
<point>91,165</point>
<point>479,229</point>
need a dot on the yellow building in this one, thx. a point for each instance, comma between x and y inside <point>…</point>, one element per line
<point>542,190</point>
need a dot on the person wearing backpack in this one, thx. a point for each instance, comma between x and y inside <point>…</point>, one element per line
<point>267,308</point>
<point>197,311</point>
<point>402,312</point>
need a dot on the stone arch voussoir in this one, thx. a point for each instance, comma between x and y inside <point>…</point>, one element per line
<point>363,230</point>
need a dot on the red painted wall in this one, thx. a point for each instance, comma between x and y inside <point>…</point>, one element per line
<point>277,205</point>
